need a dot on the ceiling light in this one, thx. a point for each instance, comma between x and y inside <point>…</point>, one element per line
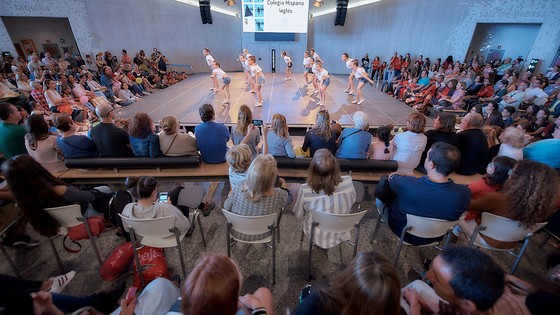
<point>230,3</point>
<point>318,3</point>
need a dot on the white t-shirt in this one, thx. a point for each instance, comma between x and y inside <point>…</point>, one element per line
<point>219,73</point>
<point>287,60</point>
<point>358,72</point>
<point>209,60</point>
<point>316,57</point>
<point>349,63</point>
<point>314,68</point>
<point>306,61</point>
<point>255,69</point>
<point>321,74</point>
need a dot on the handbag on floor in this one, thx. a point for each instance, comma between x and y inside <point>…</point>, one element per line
<point>79,232</point>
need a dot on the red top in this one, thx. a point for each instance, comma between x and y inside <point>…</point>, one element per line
<point>487,91</point>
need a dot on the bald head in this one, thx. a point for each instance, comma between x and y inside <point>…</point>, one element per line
<point>472,121</point>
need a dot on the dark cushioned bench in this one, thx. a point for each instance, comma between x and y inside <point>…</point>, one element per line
<point>346,165</point>
<point>134,162</point>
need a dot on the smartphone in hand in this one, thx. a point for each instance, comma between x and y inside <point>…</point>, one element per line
<point>130,294</point>
<point>257,122</point>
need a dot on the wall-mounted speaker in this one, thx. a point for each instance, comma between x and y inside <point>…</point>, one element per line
<point>205,14</point>
<point>341,8</point>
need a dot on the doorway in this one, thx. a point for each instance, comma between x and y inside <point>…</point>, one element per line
<point>39,34</point>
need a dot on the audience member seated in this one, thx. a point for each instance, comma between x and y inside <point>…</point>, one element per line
<point>545,151</point>
<point>71,144</point>
<point>214,286</point>
<point>42,145</point>
<point>109,139</point>
<point>534,92</point>
<point>369,285</point>
<point>126,96</point>
<point>465,281</point>
<point>324,191</point>
<point>441,197</point>
<point>21,296</point>
<point>514,98</point>
<point>321,135</point>
<point>354,142</point>
<point>145,190</point>
<point>528,196</point>
<point>455,101</point>
<point>493,117</point>
<point>240,130</point>
<point>444,131</point>
<point>239,158</point>
<point>12,133</point>
<point>540,123</point>
<point>172,142</point>
<point>497,172</point>
<point>472,144</point>
<point>34,189</point>
<point>39,96</point>
<point>143,140</point>
<point>381,148</point>
<point>409,145</point>
<point>59,104</point>
<point>507,115</point>
<point>512,141</point>
<point>258,196</point>
<point>278,138</point>
<point>211,137</point>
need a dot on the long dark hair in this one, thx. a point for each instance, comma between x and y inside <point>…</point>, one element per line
<point>503,167</point>
<point>36,129</point>
<point>33,189</point>
<point>141,187</point>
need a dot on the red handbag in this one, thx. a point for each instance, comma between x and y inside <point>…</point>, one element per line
<point>117,262</point>
<point>79,232</point>
<point>153,265</point>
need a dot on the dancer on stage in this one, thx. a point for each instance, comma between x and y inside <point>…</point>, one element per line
<point>289,65</point>
<point>362,76</point>
<point>314,55</point>
<point>258,78</point>
<point>307,67</point>
<point>209,60</point>
<point>218,73</point>
<point>324,80</point>
<point>244,65</point>
<point>314,77</point>
<point>346,58</point>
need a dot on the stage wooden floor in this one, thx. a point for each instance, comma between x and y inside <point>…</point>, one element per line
<point>289,98</point>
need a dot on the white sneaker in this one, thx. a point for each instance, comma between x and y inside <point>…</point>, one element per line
<point>259,104</point>
<point>225,102</point>
<point>117,106</point>
<point>211,89</point>
<point>252,91</point>
<point>315,91</point>
<point>118,99</point>
<point>354,102</point>
<point>286,79</point>
<point>60,282</point>
<point>347,91</point>
<point>320,103</point>
<point>361,101</point>
<point>351,92</point>
<point>145,93</point>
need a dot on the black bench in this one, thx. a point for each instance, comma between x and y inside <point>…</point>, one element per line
<point>134,162</point>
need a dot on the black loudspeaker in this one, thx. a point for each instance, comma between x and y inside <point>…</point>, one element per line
<point>341,8</point>
<point>205,14</point>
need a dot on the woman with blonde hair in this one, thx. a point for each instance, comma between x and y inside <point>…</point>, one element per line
<point>172,142</point>
<point>279,141</point>
<point>258,196</point>
<point>512,142</point>
<point>325,191</point>
<point>409,145</point>
<point>241,130</point>
<point>213,287</point>
<point>321,136</point>
<point>369,285</point>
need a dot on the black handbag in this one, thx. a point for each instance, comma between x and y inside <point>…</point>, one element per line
<point>383,191</point>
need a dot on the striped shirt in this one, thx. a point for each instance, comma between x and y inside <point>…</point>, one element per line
<point>340,202</point>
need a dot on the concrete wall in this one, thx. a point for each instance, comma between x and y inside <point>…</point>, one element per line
<point>434,28</point>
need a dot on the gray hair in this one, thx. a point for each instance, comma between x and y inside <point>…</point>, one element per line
<point>361,120</point>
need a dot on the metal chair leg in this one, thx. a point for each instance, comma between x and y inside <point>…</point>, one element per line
<point>381,213</point>
<point>201,230</point>
<point>10,261</point>
<point>90,236</point>
<point>136,258</point>
<point>473,236</point>
<point>175,231</point>
<point>356,238</point>
<point>521,253</point>
<point>228,235</point>
<point>401,241</point>
<point>311,236</point>
<point>56,256</point>
<point>273,234</point>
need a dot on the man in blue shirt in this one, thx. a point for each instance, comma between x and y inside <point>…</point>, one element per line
<point>432,196</point>
<point>211,137</point>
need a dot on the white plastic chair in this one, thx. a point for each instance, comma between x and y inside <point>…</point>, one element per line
<point>253,225</point>
<point>158,233</point>
<point>424,228</point>
<point>3,249</point>
<point>71,216</point>
<point>333,223</point>
<point>504,230</point>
